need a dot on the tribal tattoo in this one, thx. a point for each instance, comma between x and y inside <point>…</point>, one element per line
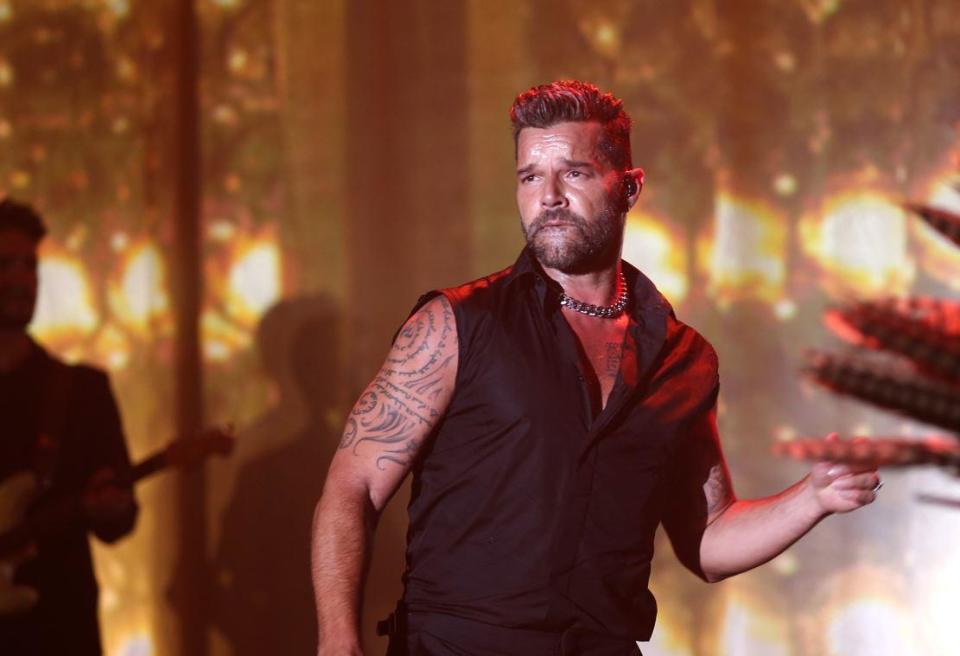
<point>400,406</point>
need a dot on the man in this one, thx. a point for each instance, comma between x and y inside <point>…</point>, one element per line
<point>553,414</point>
<point>61,422</point>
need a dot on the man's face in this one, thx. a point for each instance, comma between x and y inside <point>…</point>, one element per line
<point>568,195</point>
<point>18,279</point>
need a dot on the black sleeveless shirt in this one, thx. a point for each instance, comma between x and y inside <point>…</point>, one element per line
<point>528,511</point>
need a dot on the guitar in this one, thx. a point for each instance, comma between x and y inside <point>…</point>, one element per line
<point>20,526</point>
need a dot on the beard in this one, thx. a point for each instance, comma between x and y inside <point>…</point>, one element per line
<point>16,309</point>
<point>579,247</point>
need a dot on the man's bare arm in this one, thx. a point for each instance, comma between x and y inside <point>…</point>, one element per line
<point>717,535</point>
<point>383,434</point>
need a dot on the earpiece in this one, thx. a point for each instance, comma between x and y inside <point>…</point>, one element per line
<point>629,187</point>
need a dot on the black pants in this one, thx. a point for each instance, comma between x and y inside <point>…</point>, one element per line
<point>435,634</point>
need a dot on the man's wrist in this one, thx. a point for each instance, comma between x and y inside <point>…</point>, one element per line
<point>812,502</point>
<point>340,647</point>
<point>339,640</point>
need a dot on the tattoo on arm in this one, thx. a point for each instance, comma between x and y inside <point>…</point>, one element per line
<point>717,490</point>
<point>399,407</point>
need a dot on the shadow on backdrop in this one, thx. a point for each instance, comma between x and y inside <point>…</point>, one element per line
<point>263,600</point>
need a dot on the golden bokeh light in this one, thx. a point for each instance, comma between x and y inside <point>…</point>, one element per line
<point>138,294</point>
<point>668,639</point>
<point>221,337</point>
<point>863,610</point>
<point>244,279</point>
<point>651,246</point>
<point>132,642</point>
<point>112,348</point>
<point>119,8</point>
<point>752,630</point>
<point>858,239</point>
<point>744,258</point>
<point>253,282</point>
<point>65,312</point>
<point>871,625</point>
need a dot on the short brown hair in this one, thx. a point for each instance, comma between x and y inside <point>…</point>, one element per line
<point>21,217</point>
<point>572,100</point>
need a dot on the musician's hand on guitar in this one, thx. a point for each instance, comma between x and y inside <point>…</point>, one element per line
<point>104,500</point>
<point>840,488</point>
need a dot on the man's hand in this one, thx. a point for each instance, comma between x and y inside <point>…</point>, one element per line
<point>105,501</point>
<point>840,488</point>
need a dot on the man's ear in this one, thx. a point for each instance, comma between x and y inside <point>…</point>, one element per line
<point>633,185</point>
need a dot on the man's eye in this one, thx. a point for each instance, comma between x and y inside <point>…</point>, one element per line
<point>575,174</point>
<point>527,178</point>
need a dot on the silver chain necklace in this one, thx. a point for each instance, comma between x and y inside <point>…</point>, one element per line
<point>603,311</point>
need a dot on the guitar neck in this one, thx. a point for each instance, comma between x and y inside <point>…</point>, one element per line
<point>68,510</point>
<point>145,468</point>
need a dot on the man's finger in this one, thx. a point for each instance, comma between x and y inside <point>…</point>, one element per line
<point>866,481</point>
<point>859,496</point>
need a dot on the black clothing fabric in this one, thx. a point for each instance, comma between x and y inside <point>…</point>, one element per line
<point>65,619</point>
<point>529,512</point>
<point>434,634</point>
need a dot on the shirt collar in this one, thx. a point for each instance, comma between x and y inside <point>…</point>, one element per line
<point>645,298</point>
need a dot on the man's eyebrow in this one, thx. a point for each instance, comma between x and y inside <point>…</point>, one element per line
<point>569,163</point>
<point>578,164</point>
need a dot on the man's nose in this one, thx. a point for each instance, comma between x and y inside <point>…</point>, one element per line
<point>553,195</point>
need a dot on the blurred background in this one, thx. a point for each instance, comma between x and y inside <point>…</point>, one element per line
<point>247,196</point>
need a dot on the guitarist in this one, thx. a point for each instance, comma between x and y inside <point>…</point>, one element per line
<point>61,423</point>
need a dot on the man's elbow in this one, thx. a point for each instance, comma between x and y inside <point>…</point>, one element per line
<point>346,497</point>
<point>704,571</point>
<point>714,576</point>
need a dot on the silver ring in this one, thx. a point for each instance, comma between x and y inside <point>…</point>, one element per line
<point>877,487</point>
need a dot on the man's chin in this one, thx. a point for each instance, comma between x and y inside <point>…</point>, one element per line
<point>561,260</point>
<point>551,255</point>
<point>13,324</point>
<point>565,259</point>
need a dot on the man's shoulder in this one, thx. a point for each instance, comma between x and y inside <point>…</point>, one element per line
<point>474,298</point>
<point>687,341</point>
<point>480,289</point>
<point>81,373</point>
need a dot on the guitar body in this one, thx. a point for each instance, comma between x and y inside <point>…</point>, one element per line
<point>21,523</point>
<point>17,492</point>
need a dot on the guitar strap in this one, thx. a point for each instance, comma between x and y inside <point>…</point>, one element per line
<point>58,379</point>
